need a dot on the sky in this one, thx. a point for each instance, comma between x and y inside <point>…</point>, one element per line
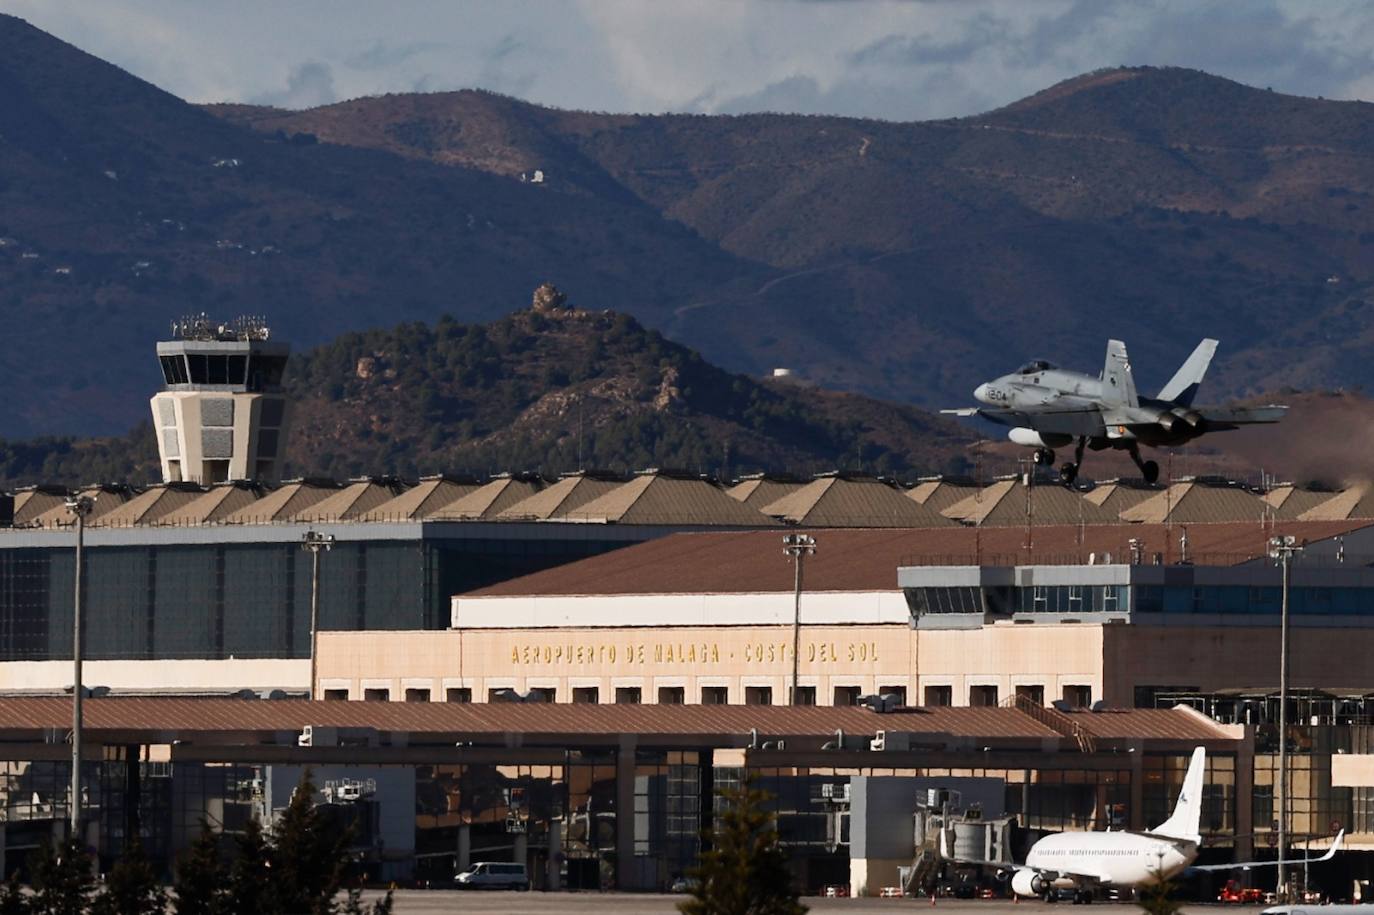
<point>907,60</point>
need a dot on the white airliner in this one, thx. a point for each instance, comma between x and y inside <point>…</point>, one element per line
<point>1083,861</point>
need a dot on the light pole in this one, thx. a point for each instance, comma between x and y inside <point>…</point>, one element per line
<point>316,543</point>
<point>1282,549</point>
<point>798,546</point>
<point>80,507</point>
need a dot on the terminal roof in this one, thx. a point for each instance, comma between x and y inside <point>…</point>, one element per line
<point>164,720</point>
<point>735,562</point>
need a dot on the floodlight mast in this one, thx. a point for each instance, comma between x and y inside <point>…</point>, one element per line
<point>80,507</point>
<point>1283,549</point>
<point>798,546</point>
<point>315,542</point>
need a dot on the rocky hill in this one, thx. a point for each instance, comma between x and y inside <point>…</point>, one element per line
<point>551,388</point>
<point>904,260</point>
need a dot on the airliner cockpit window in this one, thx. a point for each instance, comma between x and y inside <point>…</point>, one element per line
<point>1030,368</point>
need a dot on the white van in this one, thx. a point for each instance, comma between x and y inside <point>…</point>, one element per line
<point>493,875</point>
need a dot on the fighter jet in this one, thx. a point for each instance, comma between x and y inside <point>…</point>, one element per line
<point>1049,407</point>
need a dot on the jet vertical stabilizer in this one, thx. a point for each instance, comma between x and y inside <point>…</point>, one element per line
<point>1118,387</point>
<point>1186,820</point>
<point>1182,388</point>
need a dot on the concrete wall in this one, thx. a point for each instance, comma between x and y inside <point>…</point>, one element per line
<point>744,609</point>
<point>188,676</point>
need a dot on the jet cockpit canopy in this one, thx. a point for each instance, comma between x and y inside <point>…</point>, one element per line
<point>1036,365</point>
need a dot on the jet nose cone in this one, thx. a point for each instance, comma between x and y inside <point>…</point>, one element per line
<point>980,393</point>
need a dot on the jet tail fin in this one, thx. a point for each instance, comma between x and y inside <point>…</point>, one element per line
<point>1186,821</point>
<point>1182,388</point>
<point>1118,387</point>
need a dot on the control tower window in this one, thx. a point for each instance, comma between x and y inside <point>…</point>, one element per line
<point>173,369</point>
<point>265,372</point>
<point>238,368</point>
<point>200,369</point>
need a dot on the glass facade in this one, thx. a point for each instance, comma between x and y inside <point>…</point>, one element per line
<point>248,600</point>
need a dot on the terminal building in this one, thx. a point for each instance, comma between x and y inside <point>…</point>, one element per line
<point>516,666</point>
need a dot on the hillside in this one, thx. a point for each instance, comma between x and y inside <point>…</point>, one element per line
<point>904,260</point>
<point>552,390</point>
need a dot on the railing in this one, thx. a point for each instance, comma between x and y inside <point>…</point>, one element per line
<point>1054,720</point>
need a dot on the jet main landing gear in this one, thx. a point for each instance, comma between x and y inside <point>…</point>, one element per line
<point>1068,471</point>
<point>1044,457</point>
<point>1148,469</point>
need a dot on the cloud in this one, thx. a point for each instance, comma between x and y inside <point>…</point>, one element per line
<point>309,86</point>
<point>875,58</point>
<point>381,55</point>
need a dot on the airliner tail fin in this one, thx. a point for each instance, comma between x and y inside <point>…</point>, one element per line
<point>1186,820</point>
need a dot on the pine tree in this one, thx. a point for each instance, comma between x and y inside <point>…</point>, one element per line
<point>13,900</point>
<point>1157,897</point>
<point>745,870</point>
<point>199,886</point>
<point>62,880</point>
<point>249,886</point>
<point>308,856</point>
<point>132,887</point>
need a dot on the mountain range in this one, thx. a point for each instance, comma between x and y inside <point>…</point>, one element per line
<point>551,388</point>
<point>907,261</point>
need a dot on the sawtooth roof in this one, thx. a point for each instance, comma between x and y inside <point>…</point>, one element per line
<point>1116,496</point>
<point>756,492</point>
<point>848,559</point>
<point>430,495</point>
<point>104,499</point>
<point>353,502</point>
<point>837,501</point>
<point>153,505</point>
<point>938,494</point>
<point>1193,502</point>
<point>215,506</point>
<point>32,501</point>
<point>1355,502</point>
<point>1289,501</point>
<point>489,500</point>
<point>284,503</point>
<point>1004,504</point>
<point>660,498</point>
<point>569,494</point>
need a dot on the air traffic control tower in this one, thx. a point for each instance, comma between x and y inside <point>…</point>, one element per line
<point>221,414</point>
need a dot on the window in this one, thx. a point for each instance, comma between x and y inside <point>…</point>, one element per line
<point>586,695</point>
<point>982,695</point>
<point>459,694</point>
<point>939,696</point>
<point>417,695</point>
<point>758,695</point>
<point>846,695</point>
<point>898,691</point>
<point>1078,696</point>
<point>377,695</point>
<point>1032,693</point>
<point>671,695</point>
<point>715,695</point>
<point>627,695</point>
<point>1041,603</point>
<point>336,695</point>
<point>542,694</point>
<point>806,695</point>
<point>1075,598</point>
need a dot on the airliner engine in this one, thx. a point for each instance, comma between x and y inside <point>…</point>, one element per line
<point>1026,882</point>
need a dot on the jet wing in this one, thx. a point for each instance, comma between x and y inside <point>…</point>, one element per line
<point>1075,422</point>
<point>1231,417</point>
<point>1247,865</point>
